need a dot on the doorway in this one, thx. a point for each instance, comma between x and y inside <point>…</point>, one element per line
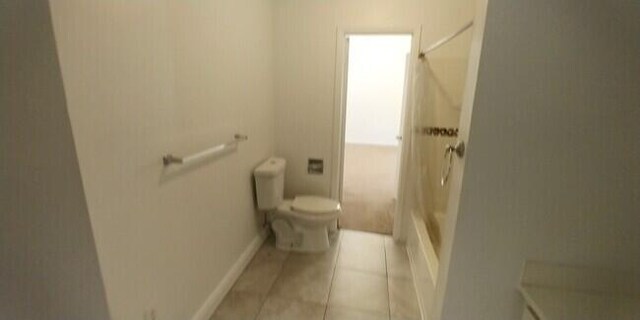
<point>375,94</point>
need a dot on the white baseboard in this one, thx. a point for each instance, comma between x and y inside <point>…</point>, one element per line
<point>215,298</point>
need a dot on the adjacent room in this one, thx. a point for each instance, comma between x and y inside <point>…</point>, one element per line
<point>376,82</point>
<point>319,160</point>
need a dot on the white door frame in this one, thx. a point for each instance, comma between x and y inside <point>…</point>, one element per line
<point>340,107</point>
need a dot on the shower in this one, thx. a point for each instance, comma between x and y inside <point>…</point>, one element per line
<point>438,83</point>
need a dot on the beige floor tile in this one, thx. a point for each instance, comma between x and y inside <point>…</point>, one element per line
<point>239,306</point>
<point>359,290</point>
<point>402,299</point>
<point>398,264</point>
<point>269,252</point>
<point>362,251</point>
<point>276,308</point>
<point>353,239</point>
<point>282,285</point>
<point>262,271</point>
<point>326,260</point>
<point>306,277</point>
<point>345,313</point>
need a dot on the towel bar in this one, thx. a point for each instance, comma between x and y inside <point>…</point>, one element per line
<point>171,159</point>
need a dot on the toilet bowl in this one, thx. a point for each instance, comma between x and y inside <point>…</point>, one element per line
<point>304,223</point>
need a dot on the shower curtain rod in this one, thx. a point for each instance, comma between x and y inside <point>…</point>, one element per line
<point>444,40</point>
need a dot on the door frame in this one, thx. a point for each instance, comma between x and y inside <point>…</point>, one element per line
<point>340,107</point>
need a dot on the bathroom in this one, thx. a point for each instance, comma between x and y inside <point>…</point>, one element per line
<point>95,93</point>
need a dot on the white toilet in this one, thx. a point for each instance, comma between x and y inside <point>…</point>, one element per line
<point>302,224</point>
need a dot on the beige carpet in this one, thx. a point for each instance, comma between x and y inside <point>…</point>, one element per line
<point>369,188</point>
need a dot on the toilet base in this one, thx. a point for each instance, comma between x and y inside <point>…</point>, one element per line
<point>302,238</point>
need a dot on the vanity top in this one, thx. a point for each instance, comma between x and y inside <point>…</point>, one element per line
<point>569,293</point>
<point>563,304</point>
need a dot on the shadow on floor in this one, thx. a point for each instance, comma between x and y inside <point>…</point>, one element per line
<point>362,276</point>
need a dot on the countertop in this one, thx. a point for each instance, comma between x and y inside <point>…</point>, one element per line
<point>563,304</point>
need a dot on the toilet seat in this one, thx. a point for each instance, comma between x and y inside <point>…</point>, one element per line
<point>310,209</point>
<point>314,205</point>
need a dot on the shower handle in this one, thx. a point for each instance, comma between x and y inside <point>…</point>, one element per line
<point>458,149</point>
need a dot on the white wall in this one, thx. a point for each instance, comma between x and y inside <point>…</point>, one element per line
<point>144,78</point>
<point>48,262</point>
<point>305,46</point>
<point>551,170</point>
<point>375,88</point>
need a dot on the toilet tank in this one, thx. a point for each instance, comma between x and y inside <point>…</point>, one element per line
<point>269,177</point>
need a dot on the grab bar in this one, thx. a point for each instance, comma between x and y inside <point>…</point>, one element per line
<point>171,159</point>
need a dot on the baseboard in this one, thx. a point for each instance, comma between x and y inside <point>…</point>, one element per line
<point>215,298</point>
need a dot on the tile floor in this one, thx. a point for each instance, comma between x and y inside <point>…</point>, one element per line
<point>363,276</point>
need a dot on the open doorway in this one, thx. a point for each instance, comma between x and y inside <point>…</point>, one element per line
<point>375,85</point>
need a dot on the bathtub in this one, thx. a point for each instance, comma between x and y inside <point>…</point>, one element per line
<point>424,263</point>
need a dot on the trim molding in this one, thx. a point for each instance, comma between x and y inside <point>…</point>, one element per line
<point>215,298</point>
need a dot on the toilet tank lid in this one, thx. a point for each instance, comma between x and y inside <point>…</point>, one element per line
<point>314,205</point>
<point>270,168</point>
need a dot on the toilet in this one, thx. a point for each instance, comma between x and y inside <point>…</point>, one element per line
<point>305,223</point>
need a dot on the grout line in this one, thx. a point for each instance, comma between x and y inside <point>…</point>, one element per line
<point>333,275</point>
<point>266,296</point>
<point>386,269</point>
